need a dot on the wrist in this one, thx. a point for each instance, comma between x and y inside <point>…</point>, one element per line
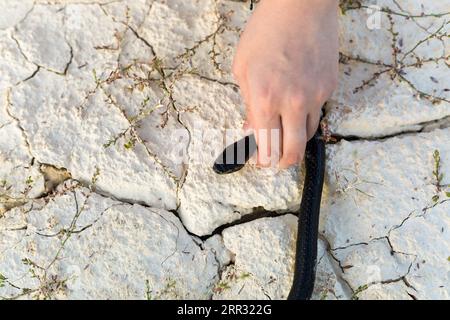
<point>310,4</point>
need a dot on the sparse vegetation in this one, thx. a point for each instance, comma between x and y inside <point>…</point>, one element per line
<point>437,174</point>
<point>29,180</point>
<point>2,280</point>
<point>438,177</point>
<point>221,286</point>
<point>355,295</point>
<point>167,292</point>
<point>232,276</point>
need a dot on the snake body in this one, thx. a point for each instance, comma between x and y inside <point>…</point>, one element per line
<point>308,221</point>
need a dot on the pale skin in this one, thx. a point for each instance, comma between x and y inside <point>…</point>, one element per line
<point>286,65</point>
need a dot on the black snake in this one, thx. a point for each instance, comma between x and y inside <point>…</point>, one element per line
<point>308,217</point>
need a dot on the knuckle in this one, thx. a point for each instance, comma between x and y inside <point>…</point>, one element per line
<point>264,92</point>
<point>298,101</point>
<point>264,101</point>
<point>267,111</point>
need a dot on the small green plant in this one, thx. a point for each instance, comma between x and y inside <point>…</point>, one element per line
<point>29,180</point>
<point>221,287</point>
<point>95,176</point>
<point>129,145</point>
<point>324,294</point>
<point>148,290</point>
<point>96,79</point>
<point>2,280</point>
<point>358,291</point>
<point>169,289</point>
<point>437,174</point>
<point>244,275</point>
<point>438,177</point>
<point>130,133</point>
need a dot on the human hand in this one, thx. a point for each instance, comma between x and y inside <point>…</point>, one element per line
<point>286,65</point>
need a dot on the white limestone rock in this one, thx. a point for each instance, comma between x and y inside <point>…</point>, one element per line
<point>217,246</point>
<point>393,69</point>
<point>359,38</point>
<point>184,24</point>
<point>214,57</point>
<point>95,248</point>
<point>4,118</point>
<point>156,122</point>
<point>134,51</point>
<point>375,185</point>
<point>13,11</point>
<point>383,209</point>
<point>263,253</point>
<point>96,40</point>
<point>372,263</point>
<point>328,283</point>
<point>69,130</point>
<point>132,13</point>
<point>13,65</point>
<point>386,108</point>
<point>20,176</point>
<point>430,275</point>
<point>42,39</point>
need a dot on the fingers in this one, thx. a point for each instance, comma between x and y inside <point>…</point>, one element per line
<point>281,130</point>
<point>294,139</point>
<point>269,140</point>
<point>258,122</point>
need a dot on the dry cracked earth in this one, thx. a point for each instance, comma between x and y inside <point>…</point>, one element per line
<point>93,206</point>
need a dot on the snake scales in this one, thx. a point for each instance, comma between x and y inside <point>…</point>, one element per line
<point>234,157</point>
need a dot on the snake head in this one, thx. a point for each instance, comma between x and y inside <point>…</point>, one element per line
<point>235,156</point>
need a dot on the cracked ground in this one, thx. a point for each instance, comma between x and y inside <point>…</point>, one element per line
<point>92,206</point>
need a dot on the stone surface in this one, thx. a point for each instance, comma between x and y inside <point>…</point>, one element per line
<point>377,184</point>
<point>429,276</point>
<point>263,260</point>
<point>113,112</point>
<point>78,243</point>
<point>69,130</point>
<point>393,68</point>
<point>20,177</point>
<point>384,210</point>
<point>13,11</point>
<point>43,41</point>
